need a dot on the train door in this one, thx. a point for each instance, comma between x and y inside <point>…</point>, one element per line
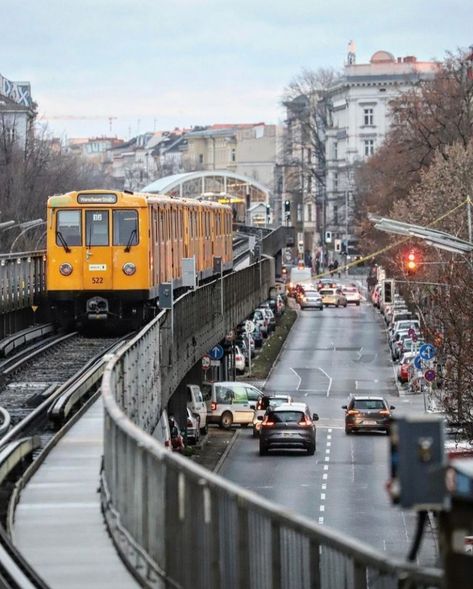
<point>97,265</point>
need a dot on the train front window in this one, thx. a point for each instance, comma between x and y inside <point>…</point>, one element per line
<point>125,228</point>
<point>68,228</point>
<point>96,228</point>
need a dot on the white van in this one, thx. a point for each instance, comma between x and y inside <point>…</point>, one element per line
<point>230,402</point>
<point>195,402</point>
<point>302,276</point>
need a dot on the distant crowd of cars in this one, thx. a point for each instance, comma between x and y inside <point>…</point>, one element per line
<point>323,293</point>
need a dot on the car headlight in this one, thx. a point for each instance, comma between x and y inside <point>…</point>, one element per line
<point>129,268</point>
<point>65,269</point>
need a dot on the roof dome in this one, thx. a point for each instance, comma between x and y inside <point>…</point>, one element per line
<point>382,57</point>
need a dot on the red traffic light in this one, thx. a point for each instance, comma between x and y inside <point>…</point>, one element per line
<point>411,262</point>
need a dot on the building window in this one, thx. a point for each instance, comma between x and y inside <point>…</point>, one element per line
<point>335,151</point>
<point>10,134</point>
<point>201,158</point>
<point>309,155</point>
<point>233,156</point>
<point>309,213</point>
<point>335,214</point>
<point>299,213</point>
<point>368,116</point>
<point>335,182</point>
<point>309,183</point>
<point>369,147</point>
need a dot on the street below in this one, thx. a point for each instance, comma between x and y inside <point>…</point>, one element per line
<point>328,355</point>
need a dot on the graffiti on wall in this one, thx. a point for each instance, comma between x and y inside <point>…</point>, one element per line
<point>19,92</point>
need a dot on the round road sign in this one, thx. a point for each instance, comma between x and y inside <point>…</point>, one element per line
<point>427,351</point>
<point>249,326</point>
<point>418,362</point>
<point>205,362</point>
<point>430,375</point>
<point>411,331</point>
<point>216,353</point>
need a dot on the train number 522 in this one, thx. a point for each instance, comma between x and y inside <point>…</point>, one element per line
<point>97,280</point>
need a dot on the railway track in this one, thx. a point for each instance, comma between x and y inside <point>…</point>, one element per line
<point>41,388</point>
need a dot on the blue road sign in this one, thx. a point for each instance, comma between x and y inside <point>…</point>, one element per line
<point>216,353</point>
<point>418,362</point>
<point>427,351</point>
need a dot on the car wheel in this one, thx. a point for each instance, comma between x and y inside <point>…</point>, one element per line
<point>347,431</point>
<point>262,450</point>
<point>357,303</point>
<point>255,433</point>
<point>204,430</point>
<point>226,420</point>
<point>345,305</point>
<point>311,450</point>
<point>336,305</point>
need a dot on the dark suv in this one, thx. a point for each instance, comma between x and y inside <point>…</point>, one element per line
<point>367,413</point>
<point>288,426</point>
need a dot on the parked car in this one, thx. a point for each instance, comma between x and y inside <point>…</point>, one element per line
<point>177,439</point>
<point>257,337</point>
<point>260,319</point>
<point>333,296</point>
<point>311,300</point>
<point>197,406</point>
<point>367,413</point>
<point>239,360</point>
<point>269,316</point>
<point>405,366</point>
<point>230,402</point>
<point>266,403</point>
<point>192,427</point>
<point>352,295</point>
<point>290,425</point>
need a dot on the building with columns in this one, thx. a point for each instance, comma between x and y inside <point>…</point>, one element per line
<point>359,118</point>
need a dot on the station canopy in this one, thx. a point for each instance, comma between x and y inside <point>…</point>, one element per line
<point>219,185</point>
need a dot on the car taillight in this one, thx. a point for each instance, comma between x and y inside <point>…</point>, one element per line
<point>267,423</point>
<point>353,412</point>
<point>213,406</point>
<point>189,423</point>
<point>385,412</point>
<point>304,422</point>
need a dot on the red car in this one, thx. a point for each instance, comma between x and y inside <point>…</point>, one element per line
<point>405,367</point>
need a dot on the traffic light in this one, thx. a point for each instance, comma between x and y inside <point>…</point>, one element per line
<point>411,262</point>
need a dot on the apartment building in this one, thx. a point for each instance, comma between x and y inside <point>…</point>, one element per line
<point>17,111</point>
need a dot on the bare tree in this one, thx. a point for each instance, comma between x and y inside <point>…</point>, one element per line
<point>304,156</point>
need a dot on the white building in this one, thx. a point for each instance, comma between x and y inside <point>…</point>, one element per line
<point>359,120</point>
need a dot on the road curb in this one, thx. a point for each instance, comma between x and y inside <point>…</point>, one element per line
<point>276,360</point>
<point>222,458</point>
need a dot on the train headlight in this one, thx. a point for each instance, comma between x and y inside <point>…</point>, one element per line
<point>129,268</point>
<point>65,269</point>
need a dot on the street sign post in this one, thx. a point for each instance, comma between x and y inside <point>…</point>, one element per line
<point>430,375</point>
<point>427,351</point>
<point>216,353</point>
<point>249,326</point>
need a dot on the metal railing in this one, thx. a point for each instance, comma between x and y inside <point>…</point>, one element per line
<point>179,525</point>
<point>22,279</point>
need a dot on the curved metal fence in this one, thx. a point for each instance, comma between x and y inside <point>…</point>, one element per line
<point>179,525</point>
<point>22,278</point>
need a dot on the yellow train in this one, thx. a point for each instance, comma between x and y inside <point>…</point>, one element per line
<point>108,251</point>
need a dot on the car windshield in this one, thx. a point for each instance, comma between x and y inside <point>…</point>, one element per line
<point>368,404</point>
<point>286,416</point>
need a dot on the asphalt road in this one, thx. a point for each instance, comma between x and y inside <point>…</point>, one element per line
<point>328,355</point>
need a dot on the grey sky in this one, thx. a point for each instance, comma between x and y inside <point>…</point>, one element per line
<point>160,64</point>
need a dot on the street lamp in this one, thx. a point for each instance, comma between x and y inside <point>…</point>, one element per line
<point>26,226</point>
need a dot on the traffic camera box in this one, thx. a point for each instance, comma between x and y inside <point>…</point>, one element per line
<point>417,462</point>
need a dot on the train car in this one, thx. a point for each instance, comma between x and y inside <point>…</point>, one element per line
<point>108,252</point>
